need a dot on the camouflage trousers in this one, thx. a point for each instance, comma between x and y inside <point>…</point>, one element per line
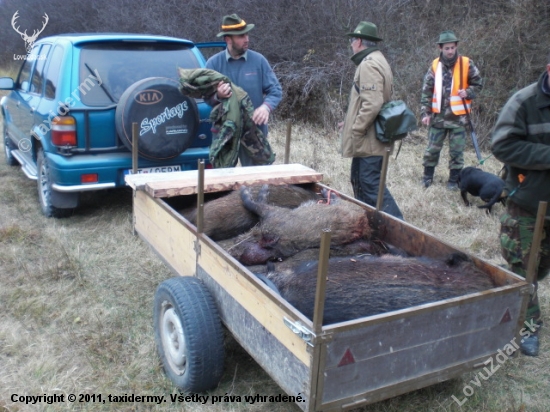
<point>457,142</point>
<point>516,237</point>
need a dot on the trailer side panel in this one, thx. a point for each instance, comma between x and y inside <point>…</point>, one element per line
<point>418,345</point>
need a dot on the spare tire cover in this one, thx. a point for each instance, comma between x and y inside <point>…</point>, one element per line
<point>167,120</point>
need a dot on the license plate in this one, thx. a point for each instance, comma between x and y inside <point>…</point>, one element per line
<point>157,169</point>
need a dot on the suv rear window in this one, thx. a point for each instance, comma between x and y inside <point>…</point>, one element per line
<point>120,64</point>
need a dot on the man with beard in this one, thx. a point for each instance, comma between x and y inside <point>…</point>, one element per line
<point>521,140</point>
<point>450,84</point>
<point>247,69</point>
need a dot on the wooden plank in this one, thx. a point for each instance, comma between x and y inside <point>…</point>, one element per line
<point>170,235</point>
<point>185,183</point>
<point>268,311</point>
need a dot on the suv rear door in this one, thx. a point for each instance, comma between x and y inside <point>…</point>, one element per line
<point>118,65</point>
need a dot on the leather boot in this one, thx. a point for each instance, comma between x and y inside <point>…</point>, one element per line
<point>530,345</point>
<point>452,184</point>
<point>428,177</point>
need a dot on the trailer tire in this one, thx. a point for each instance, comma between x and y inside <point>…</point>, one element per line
<point>188,334</point>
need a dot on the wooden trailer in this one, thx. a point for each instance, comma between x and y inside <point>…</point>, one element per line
<point>325,368</point>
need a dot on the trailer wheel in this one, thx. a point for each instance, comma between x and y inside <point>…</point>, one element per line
<point>188,334</point>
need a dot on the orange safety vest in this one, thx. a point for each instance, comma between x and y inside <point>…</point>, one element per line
<point>460,81</point>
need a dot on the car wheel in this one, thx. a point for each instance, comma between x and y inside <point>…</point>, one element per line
<point>167,120</point>
<point>45,188</point>
<point>188,334</point>
<point>10,160</point>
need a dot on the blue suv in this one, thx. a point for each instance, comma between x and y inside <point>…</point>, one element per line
<point>70,117</point>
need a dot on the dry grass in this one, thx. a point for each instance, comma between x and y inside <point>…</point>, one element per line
<point>76,295</point>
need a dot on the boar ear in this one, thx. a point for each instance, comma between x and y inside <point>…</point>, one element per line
<point>456,258</point>
<point>254,254</point>
<point>268,240</point>
<point>263,194</point>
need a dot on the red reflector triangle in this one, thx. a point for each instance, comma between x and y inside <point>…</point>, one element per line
<point>506,317</point>
<point>347,358</point>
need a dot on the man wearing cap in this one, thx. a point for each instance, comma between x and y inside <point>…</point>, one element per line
<point>372,87</point>
<point>248,69</point>
<point>450,84</point>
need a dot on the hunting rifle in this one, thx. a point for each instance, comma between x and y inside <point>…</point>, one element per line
<point>472,131</point>
<point>468,118</point>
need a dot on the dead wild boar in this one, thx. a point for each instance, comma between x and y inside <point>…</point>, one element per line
<point>248,251</point>
<point>282,233</point>
<point>369,285</point>
<point>226,217</point>
<point>352,250</point>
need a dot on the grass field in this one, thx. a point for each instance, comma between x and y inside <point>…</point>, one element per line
<point>76,296</point>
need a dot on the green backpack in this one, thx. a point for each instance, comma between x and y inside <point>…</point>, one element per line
<point>394,121</point>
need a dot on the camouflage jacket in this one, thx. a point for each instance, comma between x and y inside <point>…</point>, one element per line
<point>199,83</point>
<point>521,139</point>
<point>231,119</point>
<point>447,119</point>
<point>232,127</point>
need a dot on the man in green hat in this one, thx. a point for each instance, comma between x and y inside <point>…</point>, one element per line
<point>247,69</point>
<point>372,87</point>
<point>450,84</point>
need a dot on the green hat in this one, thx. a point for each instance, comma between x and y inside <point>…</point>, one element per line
<point>447,36</point>
<point>365,30</point>
<point>233,25</point>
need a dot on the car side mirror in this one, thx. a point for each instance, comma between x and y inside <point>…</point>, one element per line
<point>6,83</point>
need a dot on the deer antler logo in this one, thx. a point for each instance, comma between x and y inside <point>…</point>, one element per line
<point>29,40</point>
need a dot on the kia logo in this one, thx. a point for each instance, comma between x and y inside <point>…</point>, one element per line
<point>149,96</point>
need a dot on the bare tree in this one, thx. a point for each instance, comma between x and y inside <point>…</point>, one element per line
<point>305,41</point>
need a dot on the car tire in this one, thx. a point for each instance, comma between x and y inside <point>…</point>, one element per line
<point>168,121</point>
<point>45,188</point>
<point>10,160</point>
<point>188,334</point>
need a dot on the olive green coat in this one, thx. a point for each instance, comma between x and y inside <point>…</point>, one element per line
<point>372,88</point>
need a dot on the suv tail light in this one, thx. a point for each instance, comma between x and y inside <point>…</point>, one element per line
<point>89,178</point>
<point>64,131</point>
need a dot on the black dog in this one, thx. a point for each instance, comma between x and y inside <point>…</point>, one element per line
<point>489,187</point>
